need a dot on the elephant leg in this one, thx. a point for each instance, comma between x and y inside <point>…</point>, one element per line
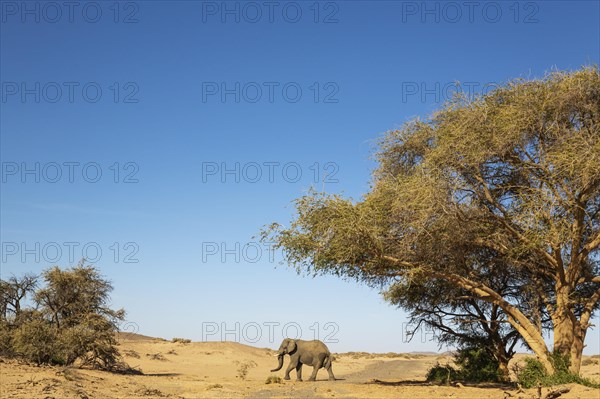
<point>330,371</point>
<point>327,366</point>
<point>299,372</point>
<point>291,366</point>
<point>316,368</point>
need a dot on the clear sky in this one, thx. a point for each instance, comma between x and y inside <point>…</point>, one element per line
<point>165,134</point>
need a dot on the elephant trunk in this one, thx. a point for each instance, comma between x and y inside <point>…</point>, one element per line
<point>280,358</point>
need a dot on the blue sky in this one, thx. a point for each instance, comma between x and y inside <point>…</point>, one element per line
<point>164,98</point>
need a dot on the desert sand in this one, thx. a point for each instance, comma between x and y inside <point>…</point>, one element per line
<point>233,370</point>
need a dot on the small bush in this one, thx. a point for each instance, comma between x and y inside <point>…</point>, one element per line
<point>131,353</point>
<point>151,392</point>
<point>244,368</point>
<point>273,379</point>
<point>214,386</point>
<point>473,365</point>
<point>477,365</point>
<point>181,340</point>
<point>156,356</point>
<point>587,362</point>
<point>533,373</point>
<point>442,374</point>
<point>359,355</point>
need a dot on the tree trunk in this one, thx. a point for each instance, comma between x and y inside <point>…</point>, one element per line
<point>503,373</point>
<point>568,334</point>
<point>503,357</point>
<point>563,320</point>
<point>577,350</point>
<point>564,334</point>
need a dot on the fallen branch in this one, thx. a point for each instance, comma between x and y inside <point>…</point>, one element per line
<point>556,393</point>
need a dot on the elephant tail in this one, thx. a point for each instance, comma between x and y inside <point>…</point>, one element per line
<point>327,362</point>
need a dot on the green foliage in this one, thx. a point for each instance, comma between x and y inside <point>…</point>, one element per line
<point>472,365</point>
<point>6,339</point>
<point>92,342</point>
<point>561,362</point>
<point>477,365</point>
<point>71,295</point>
<point>37,341</point>
<point>533,373</point>
<point>442,374</point>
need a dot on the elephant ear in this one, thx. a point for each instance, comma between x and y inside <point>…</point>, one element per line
<point>291,346</point>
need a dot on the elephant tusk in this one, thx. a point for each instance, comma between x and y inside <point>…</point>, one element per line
<point>277,355</point>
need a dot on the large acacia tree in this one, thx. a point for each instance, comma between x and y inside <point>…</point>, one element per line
<point>516,172</point>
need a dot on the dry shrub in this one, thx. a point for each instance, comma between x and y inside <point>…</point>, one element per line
<point>151,392</point>
<point>156,356</point>
<point>273,379</point>
<point>587,362</point>
<point>131,353</point>
<point>244,368</point>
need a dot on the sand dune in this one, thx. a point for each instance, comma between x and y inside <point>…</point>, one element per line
<point>216,370</point>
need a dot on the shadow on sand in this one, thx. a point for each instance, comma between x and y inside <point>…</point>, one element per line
<point>160,374</point>
<point>430,384</point>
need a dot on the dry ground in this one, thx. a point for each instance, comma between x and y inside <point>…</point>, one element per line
<point>212,370</point>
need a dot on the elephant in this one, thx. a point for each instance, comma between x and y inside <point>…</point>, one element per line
<point>312,353</point>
